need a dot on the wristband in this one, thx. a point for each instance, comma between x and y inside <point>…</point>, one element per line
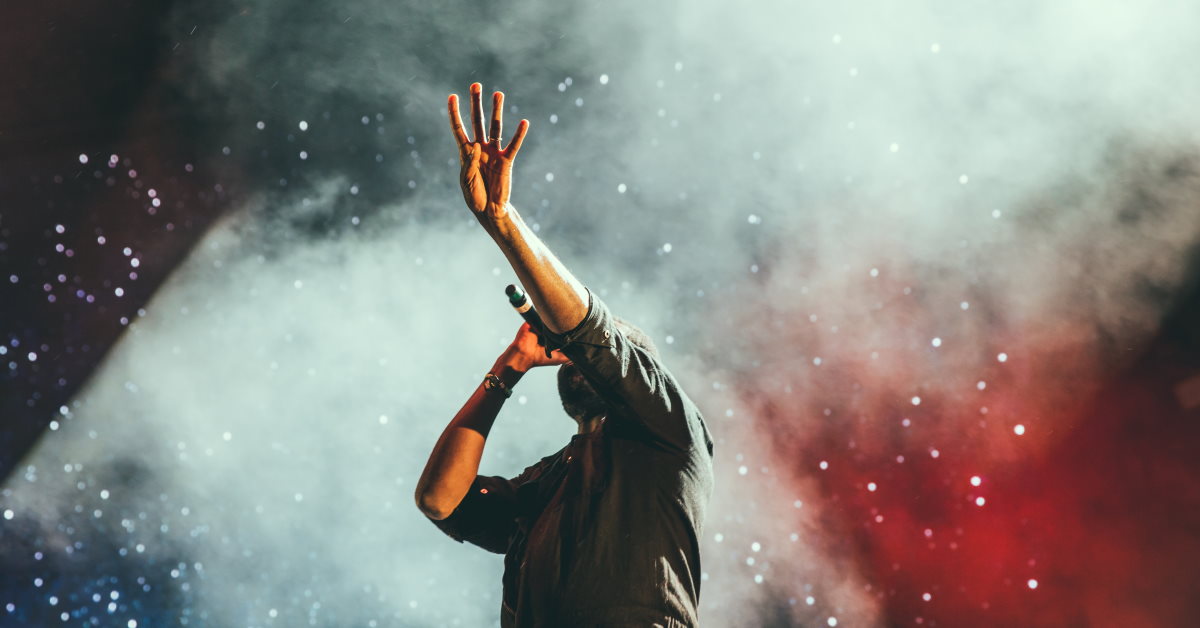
<point>492,382</point>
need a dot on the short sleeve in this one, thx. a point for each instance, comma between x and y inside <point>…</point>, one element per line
<point>632,379</point>
<point>486,516</point>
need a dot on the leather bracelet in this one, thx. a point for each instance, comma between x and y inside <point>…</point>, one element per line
<point>492,382</point>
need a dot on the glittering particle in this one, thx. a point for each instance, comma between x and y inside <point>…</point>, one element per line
<point>934,453</point>
<point>303,125</point>
<point>837,39</point>
<point>935,47</point>
<point>299,497</point>
<point>895,148</point>
<point>981,384</point>
<point>979,501</point>
<point>549,176</point>
<point>965,306</point>
<point>810,600</point>
<point>758,578</point>
<point>906,421</point>
<point>83,158</point>
<point>742,470</point>
<point>824,465</point>
<point>797,504</point>
<point>832,621</point>
<point>666,247</point>
<point>937,342</point>
<point>753,219</point>
<point>1032,583</point>
<point>871,486</point>
<point>383,419</point>
<point>1019,429</point>
<point>928,533</point>
<point>976,480</point>
<point>874,272</point>
<point>604,79</point>
<point>9,514</point>
<point>963,179</point>
<point>926,597</point>
<point>228,436</point>
<point>1003,357</point>
<point>916,401</point>
<point>718,537</point>
<point>755,546</point>
<point>817,361</point>
<point>260,125</point>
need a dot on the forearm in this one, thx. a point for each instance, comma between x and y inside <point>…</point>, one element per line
<point>454,462</point>
<point>559,297</point>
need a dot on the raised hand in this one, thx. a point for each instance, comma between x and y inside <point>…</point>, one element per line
<point>486,173</point>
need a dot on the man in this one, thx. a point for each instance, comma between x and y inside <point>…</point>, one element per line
<point>606,531</point>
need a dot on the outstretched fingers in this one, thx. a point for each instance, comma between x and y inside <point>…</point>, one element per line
<point>518,138</point>
<point>477,112</point>
<point>456,124</point>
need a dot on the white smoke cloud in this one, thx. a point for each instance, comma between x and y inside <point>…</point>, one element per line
<point>704,161</point>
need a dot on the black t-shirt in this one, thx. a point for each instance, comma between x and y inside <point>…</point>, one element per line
<point>606,531</point>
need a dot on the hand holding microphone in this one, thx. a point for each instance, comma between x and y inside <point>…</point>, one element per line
<point>533,338</point>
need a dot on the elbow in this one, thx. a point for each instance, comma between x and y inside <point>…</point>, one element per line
<point>432,507</point>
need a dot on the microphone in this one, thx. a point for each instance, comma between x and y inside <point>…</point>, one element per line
<point>524,307</point>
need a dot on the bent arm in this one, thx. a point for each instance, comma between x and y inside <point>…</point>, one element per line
<point>454,462</point>
<point>559,297</point>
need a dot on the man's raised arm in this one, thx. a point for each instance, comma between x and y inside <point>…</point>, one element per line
<point>627,374</point>
<point>486,179</point>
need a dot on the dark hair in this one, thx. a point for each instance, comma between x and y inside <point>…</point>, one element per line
<point>637,336</point>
